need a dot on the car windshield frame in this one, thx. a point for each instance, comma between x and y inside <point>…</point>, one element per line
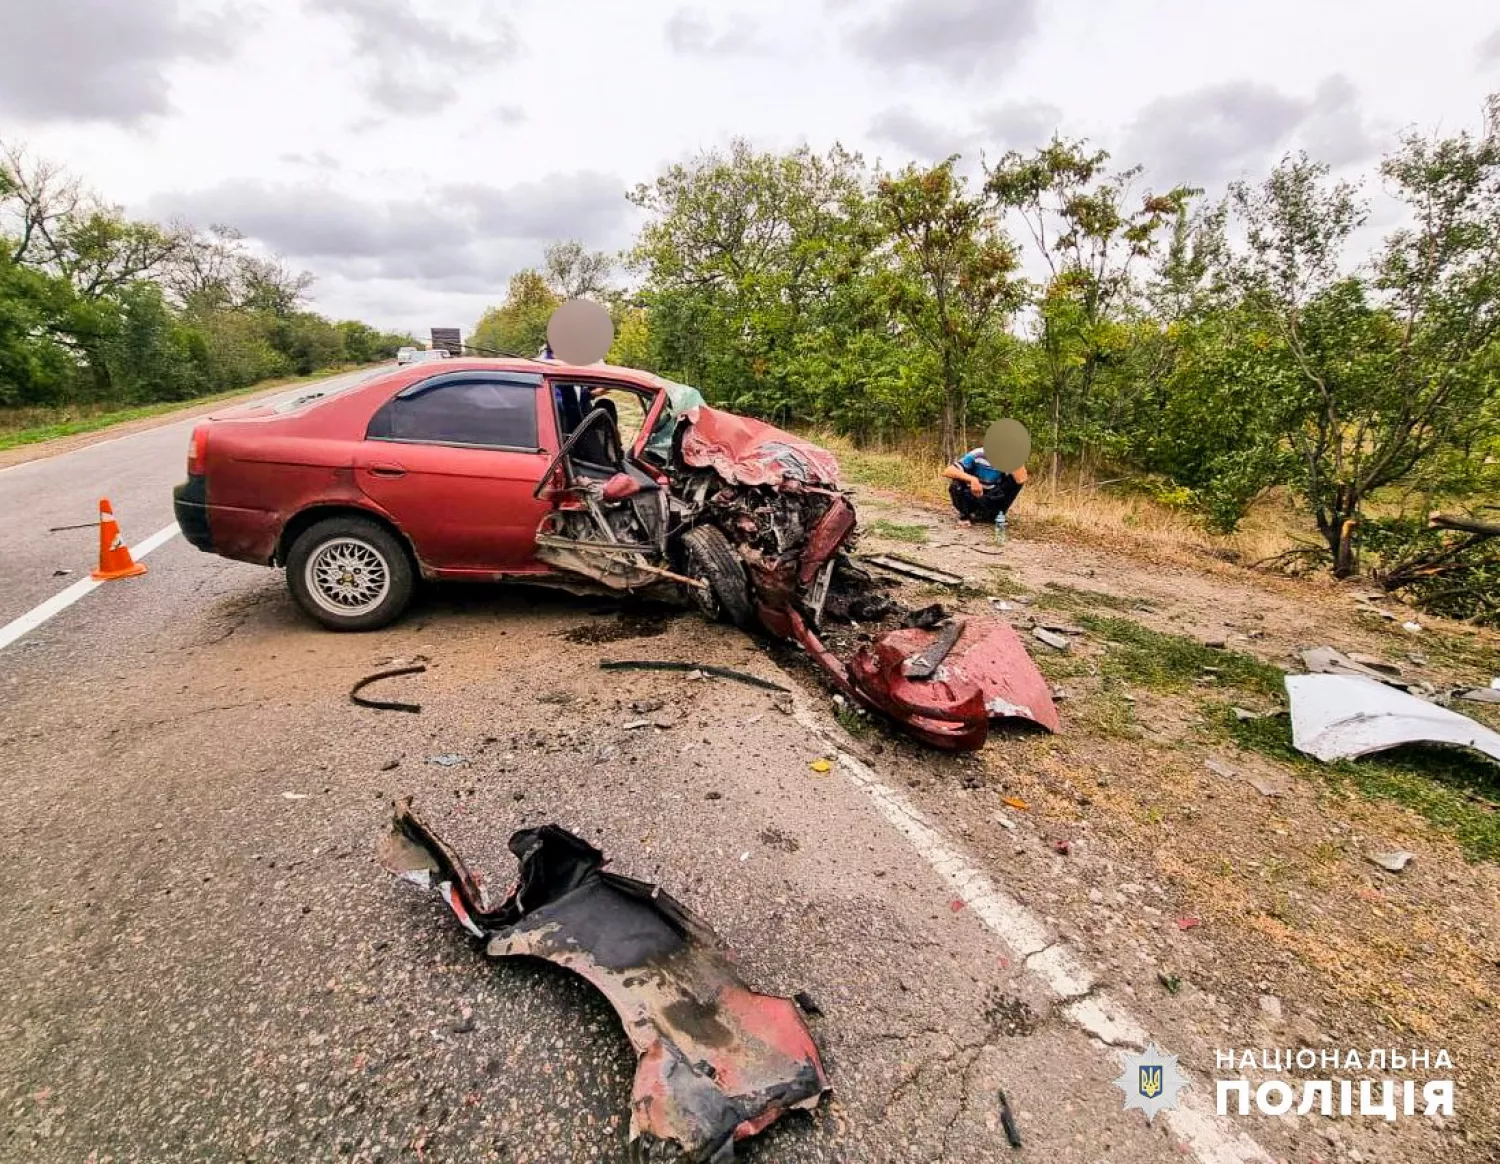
<point>679,399</point>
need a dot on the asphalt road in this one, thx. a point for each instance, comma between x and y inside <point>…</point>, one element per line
<point>135,473</point>
<point>200,961</point>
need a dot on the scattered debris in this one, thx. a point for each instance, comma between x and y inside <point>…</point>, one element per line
<point>806,1003</point>
<point>689,668</point>
<point>956,905</point>
<point>1340,717</point>
<point>1374,662</point>
<point>986,674</point>
<point>382,704</point>
<point>61,573</point>
<point>1004,822</point>
<point>1393,862</point>
<point>647,706</point>
<point>390,765</point>
<point>717,1062</point>
<point>1008,1122</point>
<point>1414,627</point>
<point>1062,847</point>
<point>1056,641</point>
<point>713,795</point>
<point>821,766</point>
<point>1243,715</point>
<point>925,662</point>
<point>1171,982</point>
<point>1328,661</point>
<point>631,725</point>
<point>446,761</point>
<point>1188,923</point>
<point>1062,628</point>
<point>896,564</point>
<point>1001,604</point>
<point>1270,1006</point>
<point>927,618</point>
<point>1015,802</point>
<point>296,796</point>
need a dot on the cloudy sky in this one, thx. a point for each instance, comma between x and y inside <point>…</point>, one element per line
<point>412,154</point>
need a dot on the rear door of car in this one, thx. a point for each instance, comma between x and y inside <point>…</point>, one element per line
<point>454,459</point>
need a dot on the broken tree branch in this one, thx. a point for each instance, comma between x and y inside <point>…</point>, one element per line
<point>1464,525</point>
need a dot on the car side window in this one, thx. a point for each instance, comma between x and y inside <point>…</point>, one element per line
<point>484,411</point>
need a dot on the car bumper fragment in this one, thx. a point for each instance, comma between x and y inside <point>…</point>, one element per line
<point>717,1062</point>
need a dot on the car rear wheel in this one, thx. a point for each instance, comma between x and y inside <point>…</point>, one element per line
<point>711,559</point>
<point>350,574</point>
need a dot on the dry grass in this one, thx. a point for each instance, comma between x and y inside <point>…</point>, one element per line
<point>1077,508</point>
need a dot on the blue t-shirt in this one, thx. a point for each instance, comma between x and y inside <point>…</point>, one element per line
<point>974,464</point>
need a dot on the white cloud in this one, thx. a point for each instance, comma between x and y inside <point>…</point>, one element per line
<point>491,126</point>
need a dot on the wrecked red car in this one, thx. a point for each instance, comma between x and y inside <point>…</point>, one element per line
<point>579,477</point>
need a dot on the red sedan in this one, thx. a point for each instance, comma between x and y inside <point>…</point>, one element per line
<point>580,477</point>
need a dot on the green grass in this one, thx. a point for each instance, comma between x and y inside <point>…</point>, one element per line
<point>1166,662</point>
<point>31,425</point>
<point>1440,784</point>
<point>916,534</point>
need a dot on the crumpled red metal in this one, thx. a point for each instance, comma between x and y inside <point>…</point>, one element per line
<point>717,1062</point>
<point>752,452</point>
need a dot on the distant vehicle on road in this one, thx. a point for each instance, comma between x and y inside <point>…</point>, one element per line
<point>586,478</point>
<point>420,355</point>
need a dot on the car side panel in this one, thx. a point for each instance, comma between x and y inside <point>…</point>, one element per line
<point>260,478</point>
<point>464,509</point>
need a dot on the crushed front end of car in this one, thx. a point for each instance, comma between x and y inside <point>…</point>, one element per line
<point>779,501</point>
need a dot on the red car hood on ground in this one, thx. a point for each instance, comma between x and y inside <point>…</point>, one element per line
<point>752,452</point>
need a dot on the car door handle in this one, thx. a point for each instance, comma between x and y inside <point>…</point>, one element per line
<point>387,470</point>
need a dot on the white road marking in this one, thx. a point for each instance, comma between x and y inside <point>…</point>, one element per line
<point>1211,1140</point>
<point>34,618</point>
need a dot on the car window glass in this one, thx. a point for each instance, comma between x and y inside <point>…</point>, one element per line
<point>472,412</point>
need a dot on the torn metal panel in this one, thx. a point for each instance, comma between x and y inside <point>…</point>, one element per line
<point>929,658</point>
<point>1329,661</point>
<point>905,566</point>
<point>986,674</point>
<point>750,452</point>
<point>717,1062</point>
<point>1340,717</point>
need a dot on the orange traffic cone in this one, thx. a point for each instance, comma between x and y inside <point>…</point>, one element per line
<point>114,557</point>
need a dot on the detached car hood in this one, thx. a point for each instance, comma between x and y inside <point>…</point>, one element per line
<point>752,452</point>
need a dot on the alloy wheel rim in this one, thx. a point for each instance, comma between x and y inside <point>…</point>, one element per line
<point>348,576</point>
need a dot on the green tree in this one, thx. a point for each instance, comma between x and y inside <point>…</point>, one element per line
<point>1090,234</point>
<point>1378,374</point>
<point>519,325</point>
<point>952,279</point>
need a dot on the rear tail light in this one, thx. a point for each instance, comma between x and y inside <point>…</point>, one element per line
<point>197,448</point>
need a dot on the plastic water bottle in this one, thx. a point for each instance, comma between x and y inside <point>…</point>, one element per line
<point>1000,529</point>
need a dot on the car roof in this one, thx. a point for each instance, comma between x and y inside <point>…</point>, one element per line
<point>553,368</point>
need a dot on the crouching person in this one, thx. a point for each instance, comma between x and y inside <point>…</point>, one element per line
<point>978,490</point>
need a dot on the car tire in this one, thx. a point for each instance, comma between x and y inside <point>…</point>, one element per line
<point>350,574</point>
<point>711,559</point>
